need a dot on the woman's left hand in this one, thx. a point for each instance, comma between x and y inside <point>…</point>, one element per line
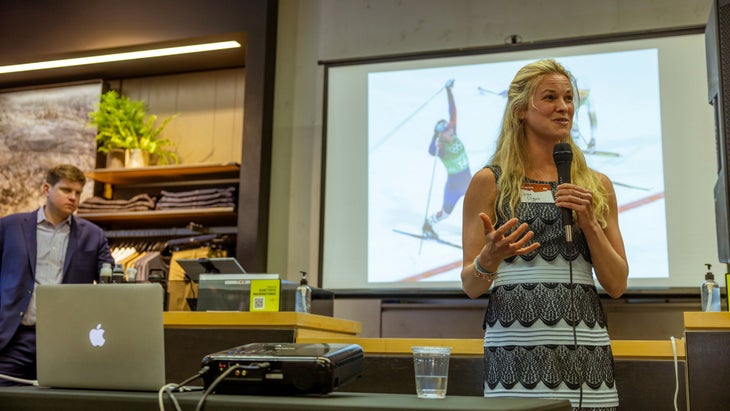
<point>577,199</point>
<point>605,243</point>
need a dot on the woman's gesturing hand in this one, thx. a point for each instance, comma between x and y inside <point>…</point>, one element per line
<point>500,243</point>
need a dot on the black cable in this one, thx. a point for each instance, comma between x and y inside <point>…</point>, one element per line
<point>191,284</point>
<point>223,375</point>
<point>572,254</point>
<point>194,377</point>
<point>212,386</point>
<point>168,388</point>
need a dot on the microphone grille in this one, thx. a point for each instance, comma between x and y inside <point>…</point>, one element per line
<point>562,153</point>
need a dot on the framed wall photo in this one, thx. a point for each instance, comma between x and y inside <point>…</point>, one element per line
<point>41,127</point>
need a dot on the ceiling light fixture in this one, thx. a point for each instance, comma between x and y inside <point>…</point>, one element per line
<point>132,55</point>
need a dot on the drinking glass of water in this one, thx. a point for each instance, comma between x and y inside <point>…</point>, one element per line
<point>431,365</point>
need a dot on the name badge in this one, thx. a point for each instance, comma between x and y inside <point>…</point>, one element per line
<point>537,193</point>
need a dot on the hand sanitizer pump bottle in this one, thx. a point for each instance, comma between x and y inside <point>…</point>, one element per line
<point>105,275</point>
<point>710,292</point>
<point>303,300</point>
<point>118,274</point>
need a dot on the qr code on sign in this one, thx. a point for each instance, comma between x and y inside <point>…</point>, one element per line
<point>258,303</point>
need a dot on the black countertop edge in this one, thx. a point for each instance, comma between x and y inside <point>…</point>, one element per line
<point>631,294</point>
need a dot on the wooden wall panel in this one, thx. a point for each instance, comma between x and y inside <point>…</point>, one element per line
<point>209,125</point>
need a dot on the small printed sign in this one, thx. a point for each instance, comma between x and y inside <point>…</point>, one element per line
<point>265,295</point>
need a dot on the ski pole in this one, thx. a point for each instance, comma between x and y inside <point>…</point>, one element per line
<point>402,123</point>
<point>428,200</point>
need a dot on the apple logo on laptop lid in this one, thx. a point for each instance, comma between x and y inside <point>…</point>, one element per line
<point>96,336</point>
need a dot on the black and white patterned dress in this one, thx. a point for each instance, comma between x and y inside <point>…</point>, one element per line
<point>529,346</point>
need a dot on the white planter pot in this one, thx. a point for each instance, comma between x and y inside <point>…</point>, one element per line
<point>135,158</point>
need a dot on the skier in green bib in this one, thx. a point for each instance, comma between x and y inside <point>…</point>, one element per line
<point>447,146</point>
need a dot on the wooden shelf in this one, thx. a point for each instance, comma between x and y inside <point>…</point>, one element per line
<point>154,217</point>
<point>150,174</point>
<point>186,174</point>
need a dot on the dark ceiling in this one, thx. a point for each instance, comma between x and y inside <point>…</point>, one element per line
<point>219,59</point>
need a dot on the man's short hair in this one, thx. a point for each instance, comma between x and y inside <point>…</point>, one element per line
<point>65,172</point>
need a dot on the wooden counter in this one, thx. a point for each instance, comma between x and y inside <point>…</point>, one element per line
<point>304,325</point>
<point>645,370</point>
<point>698,320</point>
<point>657,350</point>
<point>191,335</point>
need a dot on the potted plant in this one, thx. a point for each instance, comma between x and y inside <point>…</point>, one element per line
<point>122,123</point>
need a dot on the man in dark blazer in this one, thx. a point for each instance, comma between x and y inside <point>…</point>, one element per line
<point>46,246</point>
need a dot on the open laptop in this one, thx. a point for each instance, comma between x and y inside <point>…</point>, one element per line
<point>100,336</point>
<point>194,267</point>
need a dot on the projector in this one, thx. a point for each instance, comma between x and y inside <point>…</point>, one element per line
<point>283,368</point>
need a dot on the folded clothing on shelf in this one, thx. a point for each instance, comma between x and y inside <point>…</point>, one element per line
<point>140,202</point>
<point>201,198</point>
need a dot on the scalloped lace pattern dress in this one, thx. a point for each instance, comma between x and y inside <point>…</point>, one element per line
<point>529,346</point>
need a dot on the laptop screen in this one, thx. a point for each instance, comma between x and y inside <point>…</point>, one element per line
<point>194,267</point>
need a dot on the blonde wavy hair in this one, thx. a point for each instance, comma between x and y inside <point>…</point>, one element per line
<point>510,155</point>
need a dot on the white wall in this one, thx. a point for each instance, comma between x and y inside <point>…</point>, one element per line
<point>315,30</point>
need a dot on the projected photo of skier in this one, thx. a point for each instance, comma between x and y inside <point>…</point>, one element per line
<point>420,163</point>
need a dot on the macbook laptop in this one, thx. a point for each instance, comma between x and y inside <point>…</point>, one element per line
<point>100,336</point>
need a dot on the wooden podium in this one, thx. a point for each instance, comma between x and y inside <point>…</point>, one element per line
<point>644,369</point>
<point>707,337</point>
<point>189,336</point>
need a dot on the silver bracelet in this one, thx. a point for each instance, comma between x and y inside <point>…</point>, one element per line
<point>480,272</point>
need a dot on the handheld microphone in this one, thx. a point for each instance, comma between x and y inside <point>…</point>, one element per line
<point>563,157</point>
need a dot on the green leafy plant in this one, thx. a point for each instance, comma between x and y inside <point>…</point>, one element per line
<point>122,123</point>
